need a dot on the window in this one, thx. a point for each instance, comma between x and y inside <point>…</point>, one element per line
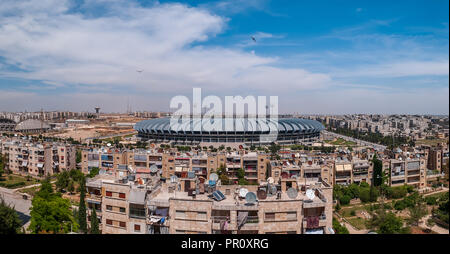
<point>109,194</point>
<point>108,222</point>
<point>109,208</point>
<point>269,216</point>
<point>122,209</point>
<point>180,214</point>
<point>291,216</point>
<point>201,215</point>
<point>122,224</point>
<point>137,228</point>
<point>121,195</point>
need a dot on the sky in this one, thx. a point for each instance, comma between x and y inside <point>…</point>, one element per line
<point>318,57</point>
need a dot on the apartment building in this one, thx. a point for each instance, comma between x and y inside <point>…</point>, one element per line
<point>352,171</point>
<point>28,158</point>
<point>126,205</point>
<point>408,171</point>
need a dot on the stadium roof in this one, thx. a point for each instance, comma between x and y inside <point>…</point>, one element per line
<point>238,125</point>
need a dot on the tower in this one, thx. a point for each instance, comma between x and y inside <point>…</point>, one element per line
<point>97,112</point>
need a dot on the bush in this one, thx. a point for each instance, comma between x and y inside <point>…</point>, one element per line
<point>345,200</point>
<point>338,228</point>
<point>430,200</point>
<point>364,185</point>
<point>364,195</point>
<point>400,205</point>
<point>353,213</point>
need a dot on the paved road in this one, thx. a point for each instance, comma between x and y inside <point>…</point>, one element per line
<point>357,141</point>
<point>112,136</point>
<point>21,205</point>
<point>435,228</point>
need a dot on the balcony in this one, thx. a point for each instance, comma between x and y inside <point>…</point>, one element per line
<point>311,222</point>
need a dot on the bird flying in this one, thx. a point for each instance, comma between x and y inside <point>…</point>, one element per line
<point>253,38</point>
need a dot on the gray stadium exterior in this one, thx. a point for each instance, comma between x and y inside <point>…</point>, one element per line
<point>290,130</point>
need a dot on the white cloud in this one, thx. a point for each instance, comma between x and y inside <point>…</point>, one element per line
<point>70,48</point>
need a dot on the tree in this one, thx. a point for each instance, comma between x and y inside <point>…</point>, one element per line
<point>274,148</point>
<point>364,195</point>
<point>78,156</point>
<point>71,187</point>
<point>94,171</point>
<point>345,200</point>
<point>94,223</point>
<point>377,171</point>
<point>373,194</point>
<point>82,207</point>
<point>386,223</point>
<point>9,220</point>
<point>50,213</point>
<point>338,228</point>
<point>62,180</point>
<point>416,213</point>
<point>430,223</point>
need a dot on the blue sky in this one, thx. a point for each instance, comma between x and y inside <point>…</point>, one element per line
<point>316,56</point>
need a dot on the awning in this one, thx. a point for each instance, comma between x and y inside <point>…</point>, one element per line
<point>40,165</point>
<point>137,197</point>
<point>24,163</point>
<point>178,169</point>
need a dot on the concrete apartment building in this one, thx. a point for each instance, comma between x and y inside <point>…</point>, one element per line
<point>354,171</point>
<point>177,163</point>
<point>36,159</point>
<point>127,206</point>
<point>407,171</point>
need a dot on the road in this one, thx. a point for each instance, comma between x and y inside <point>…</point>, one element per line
<point>21,205</point>
<point>357,141</point>
<point>112,136</point>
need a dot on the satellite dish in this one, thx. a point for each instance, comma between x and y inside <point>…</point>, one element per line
<point>310,194</point>
<point>294,176</point>
<point>153,168</point>
<point>262,194</point>
<point>109,144</point>
<point>292,193</point>
<point>173,179</point>
<point>250,198</point>
<point>270,180</point>
<point>213,177</point>
<point>271,190</point>
<point>243,192</point>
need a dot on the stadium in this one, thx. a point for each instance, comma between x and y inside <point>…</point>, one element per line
<point>283,130</point>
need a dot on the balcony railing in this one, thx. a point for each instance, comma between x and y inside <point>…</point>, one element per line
<point>251,220</point>
<point>218,219</point>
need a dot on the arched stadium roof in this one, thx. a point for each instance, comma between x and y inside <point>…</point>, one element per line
<point>239,125</point>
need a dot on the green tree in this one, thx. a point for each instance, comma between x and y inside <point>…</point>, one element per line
<point>50,213</point>
<point>373,194</point>
<point>417,212</point>
<point>94,171</point>
<point>94,223</point>
<point>377,171</point>
<point>364,195</point>
<point>345,200</point>
<point>78,156</point>
<point>338,228</point>
<point>9,220</point>
<point>71,187</point>
<point>62,180</point>
<point>82,207</point>
<point>274,148</point>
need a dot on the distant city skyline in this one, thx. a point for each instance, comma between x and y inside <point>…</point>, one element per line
<point>374,57</point>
